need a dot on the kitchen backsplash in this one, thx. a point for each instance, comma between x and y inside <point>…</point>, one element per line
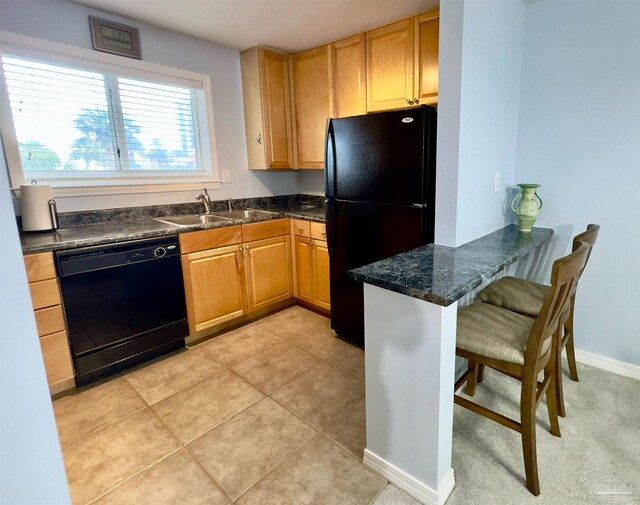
<point>284,202</point>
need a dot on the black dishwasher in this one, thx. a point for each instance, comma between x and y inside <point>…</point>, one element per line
<point>124,304</point>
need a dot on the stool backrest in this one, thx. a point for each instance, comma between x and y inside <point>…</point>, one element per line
<point>588,237</point>
<point>564,277</point>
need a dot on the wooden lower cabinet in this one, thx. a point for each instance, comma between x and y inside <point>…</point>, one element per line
<point>46,301</point>
<point>57,358</point>
<point>214,286</point>
<point>304,269</point>
<point>226,282</point>
<point>312,271</point>
<point>268,271</point>
<point>320,261</point>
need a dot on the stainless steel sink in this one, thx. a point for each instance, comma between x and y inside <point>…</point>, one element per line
<point>248,214</point>
<point>193,219</point>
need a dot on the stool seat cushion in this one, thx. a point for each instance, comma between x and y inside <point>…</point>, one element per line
<point>494,332</point>
<point>519,295</point>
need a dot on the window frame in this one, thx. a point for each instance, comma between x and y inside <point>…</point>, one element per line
<point>63,54</point>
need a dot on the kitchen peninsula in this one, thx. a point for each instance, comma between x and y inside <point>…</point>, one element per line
<point>411,303</point>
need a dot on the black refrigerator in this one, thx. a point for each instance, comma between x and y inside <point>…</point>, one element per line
<point>380,188</point>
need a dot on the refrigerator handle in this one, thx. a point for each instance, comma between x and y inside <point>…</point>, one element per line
<point>330,160</point>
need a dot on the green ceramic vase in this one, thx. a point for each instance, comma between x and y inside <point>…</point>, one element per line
<point>527,210</point>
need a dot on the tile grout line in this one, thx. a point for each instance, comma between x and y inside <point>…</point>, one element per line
<point>134,475</point>
<point>197,461</point>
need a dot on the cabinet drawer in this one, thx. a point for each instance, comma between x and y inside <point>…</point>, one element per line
<point>40,267</point>
<point>209,239</point>
<point>266,229</point>
<point>50,320</point>
<point>57,358</point>
<point>44,293</point>
<point>302,228</point>
<point>318,231</point>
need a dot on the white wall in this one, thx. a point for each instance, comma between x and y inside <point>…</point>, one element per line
<point>492,34</point>
<point>31,468</point>
<point>579,136</point>
<point>68,23</point>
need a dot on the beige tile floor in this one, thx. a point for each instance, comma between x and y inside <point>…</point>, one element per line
<point>271,413</point>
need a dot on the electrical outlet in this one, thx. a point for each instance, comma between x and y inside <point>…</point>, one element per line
<point>226,175</point>
<point>496,183</point>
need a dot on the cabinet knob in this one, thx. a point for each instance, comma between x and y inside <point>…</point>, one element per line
<point>300,230</point>
<point>259,138</point>
<point>240,249</point>
<point>270,165</point>
<point>415,101</point>
<point>324,233</point>
<point>247,248</point>
<point>410,102</point>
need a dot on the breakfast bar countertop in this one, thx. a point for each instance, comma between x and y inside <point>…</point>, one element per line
<point>442,275</point>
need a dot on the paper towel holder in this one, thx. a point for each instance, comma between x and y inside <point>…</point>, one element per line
<point>53,213</point>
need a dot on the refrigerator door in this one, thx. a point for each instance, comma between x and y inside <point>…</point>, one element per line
<point>382,157</point>
<point>359,234</point>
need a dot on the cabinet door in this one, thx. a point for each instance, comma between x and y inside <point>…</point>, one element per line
<point>390,65</point>
<point>313,106</point>
<point>428,32</point>
<point>348,69</point>
<point>304,270</point>
<point>274,82</point>
<point>268,271</point>
<point>214,286</point>
<point>320,254</point>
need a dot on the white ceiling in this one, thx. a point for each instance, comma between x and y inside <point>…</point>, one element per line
<point>288,25</point>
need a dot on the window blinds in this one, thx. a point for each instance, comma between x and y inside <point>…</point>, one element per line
<point>70,120</point>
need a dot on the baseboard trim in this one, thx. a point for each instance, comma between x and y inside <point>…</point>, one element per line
<point>410,485</point>
<point>608,364</point>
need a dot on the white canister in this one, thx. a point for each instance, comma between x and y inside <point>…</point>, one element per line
<point>38,208</point>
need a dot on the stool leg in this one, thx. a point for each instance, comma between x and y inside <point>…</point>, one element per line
<point>470,389</point>
<point>528,426</point>
<point>571,354</point>
<point>557,364</point>
<point>552,406</point>
<point>480,374</point>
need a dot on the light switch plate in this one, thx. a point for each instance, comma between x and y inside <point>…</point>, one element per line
<point>226,175</point>
<point>496,183</point>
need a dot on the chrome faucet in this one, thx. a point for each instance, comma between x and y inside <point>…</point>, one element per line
<point>230,202</point>
<point>206,200</point>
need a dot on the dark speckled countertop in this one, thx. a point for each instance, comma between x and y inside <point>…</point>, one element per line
<point>442,275</point>
<point>81,229</point>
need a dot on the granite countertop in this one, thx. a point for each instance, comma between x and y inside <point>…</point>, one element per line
<point>82,229</point>
<point>441,274</point>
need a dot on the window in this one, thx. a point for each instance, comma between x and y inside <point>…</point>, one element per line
<point>77,124</point>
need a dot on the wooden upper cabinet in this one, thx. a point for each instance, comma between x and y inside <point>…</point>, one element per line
<point>348,68</point>
<point>428,33</point>
<point>313,105</point>
<point>267,109</point>
<point>390,65</point>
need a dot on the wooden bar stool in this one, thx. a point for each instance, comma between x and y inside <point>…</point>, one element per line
<point>520,347</point>
<point>526,297</point>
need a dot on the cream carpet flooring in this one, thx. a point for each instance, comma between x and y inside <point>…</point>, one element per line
<point>597,459</point>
